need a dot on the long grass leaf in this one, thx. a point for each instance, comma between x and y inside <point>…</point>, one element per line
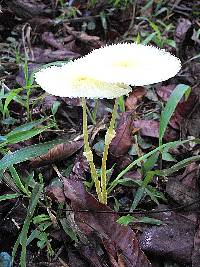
<point>170,107</point>
<point>144,157</point>
<point>9,196</point>
<point>27,153</point>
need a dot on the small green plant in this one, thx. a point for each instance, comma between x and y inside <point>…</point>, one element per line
<point>113,3</point>
<point>31,188</point>
<point>159,35</point>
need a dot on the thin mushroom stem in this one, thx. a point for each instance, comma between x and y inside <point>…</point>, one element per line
<point>110,134</point>
<point>88,152</point>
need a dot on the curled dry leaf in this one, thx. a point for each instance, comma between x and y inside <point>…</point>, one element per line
<point>40,24</point>
<point>182,37</point>
<point>134,97</point>
<point>59,152</point>
<point>49,38</point>
<point>93,41</point>
<point>164,91</point>
<point>123,138</point>
<point>27,8</point>
<point>150,128</point>
<point>40,55</point>
<point>196,251</point>
<point>103,224</point>
<point>172,240</point>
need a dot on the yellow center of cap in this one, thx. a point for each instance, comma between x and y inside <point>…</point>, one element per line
<point>125,64</point>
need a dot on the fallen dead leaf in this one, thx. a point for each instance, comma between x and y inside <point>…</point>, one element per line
<point>182,194</point>
<point>59,152</point>
<point>50,39</point>
<point>196,251</point>
<point>93,41</point>
<point>123,139</point>
<point>173,240</point>
<point>103,225</point>
<point>182,36</point>
<point>164,91</point>
<point>150,128</point>
<point>40,55</point>
<point>135,96</point>
<point>27,8</point>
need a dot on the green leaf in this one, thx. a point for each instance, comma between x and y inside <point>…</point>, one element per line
<point>170,107</point>
<point>150,162</point>
<point>27,153</point>
<point>167,156</point>
<point>24,135</point>
<point>27,126</point>
<point>36,233</point>
<point>22,239</point>
<point>9,98</point>
<point>125,220</point>
<point>41,218</point>
<point>68,230</point>
<point>24,132</point>
<point>149,38</point>
<point>121,104</point>
<point>17,181</point>
<point>9,196</point>
<point>55,107</point>
<point>114,183</point>
<point>149,220</point>
<point>140,192</point>
<point>177,166</point>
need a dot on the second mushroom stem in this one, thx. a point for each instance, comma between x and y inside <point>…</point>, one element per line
<point>88,153</point>
<point>101,188</point>
<point>110,134</point>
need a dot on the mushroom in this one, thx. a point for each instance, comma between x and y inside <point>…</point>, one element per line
<point>107,72</point>
<point>73,80</point>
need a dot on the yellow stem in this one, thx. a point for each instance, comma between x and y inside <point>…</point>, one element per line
<point>88,153</point>
<point>110,134</point>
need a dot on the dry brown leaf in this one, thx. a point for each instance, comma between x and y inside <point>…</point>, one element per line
<point>123,139</point>
<point>59,152</point>
<point>135,96</point>
<point>103,224</point>
<point>172,240</point>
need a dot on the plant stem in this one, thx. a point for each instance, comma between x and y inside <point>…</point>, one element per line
<point>88,153</point>
<point>110,134</point>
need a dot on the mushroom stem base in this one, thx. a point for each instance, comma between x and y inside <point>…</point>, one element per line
<point>110,134</point>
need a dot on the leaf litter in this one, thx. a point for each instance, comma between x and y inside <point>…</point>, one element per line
<point>104,242</point>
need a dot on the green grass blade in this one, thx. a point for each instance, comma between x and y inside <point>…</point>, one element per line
<point>18,181</point>
<point>140,192</point>
<point>177,166</point>
<point>9,196</point>
<point>24,232</point>
<point>31,209</point>
<point>27,153</point>
<point>10,96</point>
<point>170,107</point>
<point>121,104</point>
<point>144,157</point>
<point>150,162</point>
<point>27,126</point>
<point>24,135</point>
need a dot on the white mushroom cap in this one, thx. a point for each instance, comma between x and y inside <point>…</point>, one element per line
<point>133,64</point>
<point>75,79</point>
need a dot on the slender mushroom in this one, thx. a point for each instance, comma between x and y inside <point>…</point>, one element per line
<point>71,80</point>
<point>107,72</point>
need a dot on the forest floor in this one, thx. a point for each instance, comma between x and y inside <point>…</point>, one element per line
<point>49,213</point>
